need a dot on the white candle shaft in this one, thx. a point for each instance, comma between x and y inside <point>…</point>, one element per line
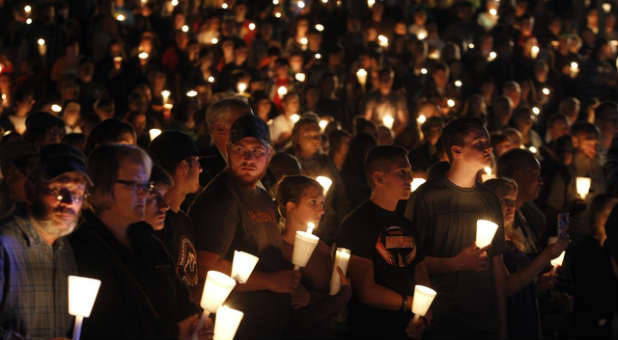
<point>77,329</point>
<point>200,324</point>
<point>341,261</point>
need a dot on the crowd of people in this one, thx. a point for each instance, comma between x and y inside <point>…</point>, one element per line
<point>143,142</point>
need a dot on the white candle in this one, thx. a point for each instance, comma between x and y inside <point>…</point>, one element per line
<point>370,3</point>
<point>154,133</point>
<point>536,110</point>
<point>450,102</point>
<point>382,40</point>
<point>458,83</point>
<point>342,258</point>
<point>534,51</point>
<point>417,182</point>
<point>56,108</point>
<point>388,121</point>
<point>226,323</point>
<point>191,93</point>
<point>573,69</point>
<point>82,294</point>
<point>303,42</point>
<point>166,96</point>
<point>492,55</point>
<point>546,91</point>
<point>42,46</point>
<point>558,260</point>
<point>243,266</point>
<point>323,124</point>
<point>251,26</point>
<point>295,118</point>
<point>143,55</point>
<point>421,119</point>
<point>282,91</point>
<point>361,75</point>
<point>485,231</point>
<point>325,182</point>
<point>422,34</point>
<point>216,289</point>
<point>582,185</point>
<point>241,86</point>
<point>304,245</point>
<point>493,12</point>
<point>424,70</point>
<point>423,297</point>
<point>317,56</point>
<point>319,27</point>
<point>300,77</point>
<point>185,28</point>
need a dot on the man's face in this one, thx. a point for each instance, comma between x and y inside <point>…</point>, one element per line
<point>130,192</point>
<point>156,207</point>
<point>309,140</point>
<point>529,182</point>
<point>309,208</point>
<point>396,181</point>
<point>58,204</point>
<point>476,151</point>
<point>249,159</point>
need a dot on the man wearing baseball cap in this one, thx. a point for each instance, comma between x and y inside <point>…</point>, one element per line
<point>233,213</point>
<point>35,256</point>
<point>177,154</point>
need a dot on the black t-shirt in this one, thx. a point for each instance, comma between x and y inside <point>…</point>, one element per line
<point>388,240</point>
<point>445,216</point>
<point>179,240</point>
<point>228,217</point>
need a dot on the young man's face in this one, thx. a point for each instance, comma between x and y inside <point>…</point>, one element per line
<point>192,178</point>
<point>130,191</point>
<point>156,207</point>
<point>58,204</point>
<point>396,181</point>
<point>476,151</point>
<point>309,208</point>
<point>248,160</point>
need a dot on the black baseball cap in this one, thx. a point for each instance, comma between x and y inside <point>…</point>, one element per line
<point>250,126</point>
<point>170,148</point>
<point>58,159</point>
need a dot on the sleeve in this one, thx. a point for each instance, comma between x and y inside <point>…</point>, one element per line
<point>215,222</point>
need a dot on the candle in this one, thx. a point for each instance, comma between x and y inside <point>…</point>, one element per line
<point>185,28</point>
<point>154,133</point>
<point>191,93</point>
<point>251,26</point>
<point>27,9</point>
<point>488,174</point>
<point>295,118</point>
<point>422,34</point>
<point>319,27</point>
<point>450,102</point>
<point>216,289</point>
<point>211,79</point>
<point>536,110</point>
<point>304,245</point>
<point>532,149</point>
<point>214,41</point>
<point>120,17</point>
<point>325,182</point>
<point>165,94</point>
<point>28,21</point>
<point>534,51</point>
<point>275,2</point>
<point>310,227</point>
<point>224,5</point>
<point>573,69</point>
<point>382,40</point>
<point>485,231</point>
<point>143,55</point>
<point>388,121</point>
<point>323,124</point>
<point>117,62</point>
<point>607,7</point>
<point>242,266</point>
<point>558,260</point>
<point>470,45</point>
<point>546,91</point>
<point>424,70</point>
<point>42,46</point>
<point>282,91</point>
<point>300,4</point>
<point>56,108</point>
<point>174,3</point>
<point>417,182</point>
<point>458,83</point>
<point>423,297</point>
<point>242,87</point>
<point>82,294</point>
<point>361,75</point>
<point>492,55</point>
<point>493,12</point>
<point>342,258</point>
<point>304,42</point>
<point>226,323</point>
<point>370,3</point>
<point>317,56</point>
<point>421,119</point>
<point>582,186</point>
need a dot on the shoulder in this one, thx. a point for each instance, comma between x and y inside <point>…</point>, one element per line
<point>216,193</point>
<point>12,231</point>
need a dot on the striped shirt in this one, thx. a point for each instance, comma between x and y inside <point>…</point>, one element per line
<point>33,282</point>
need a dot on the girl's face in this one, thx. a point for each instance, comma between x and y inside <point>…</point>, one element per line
<point>309,208</point>
<point>508,207</point>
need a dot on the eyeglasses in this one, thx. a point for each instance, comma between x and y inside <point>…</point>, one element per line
<point>66,195</point>
<point>139,187</point>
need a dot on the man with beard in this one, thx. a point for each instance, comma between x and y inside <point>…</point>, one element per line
<point>35,257</point>
<point>233,213</point>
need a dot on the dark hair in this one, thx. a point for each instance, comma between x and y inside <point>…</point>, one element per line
<point>581,127</point>
<point>336,138</point>
<point>108,131</point>
<point>160,176</point>
<point>382,158</point>
<point>291,189</point>
<point>456,131</point>
<point>553,119</point>
<point>515,159</point>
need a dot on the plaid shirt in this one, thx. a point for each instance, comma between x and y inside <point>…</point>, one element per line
<point>33,282</point>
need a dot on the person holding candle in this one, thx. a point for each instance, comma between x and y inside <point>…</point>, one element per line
<point>300,201</point>
<point>385,250</point>
<point>35,255</point>
<point>140,294</point>
<point>233,213</point>
<point>282,125</point>
<point>177,154</point>
<point>385,102</point>
<point>471,282</point>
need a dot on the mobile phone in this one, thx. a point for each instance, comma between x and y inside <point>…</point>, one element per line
<point>563,225</point>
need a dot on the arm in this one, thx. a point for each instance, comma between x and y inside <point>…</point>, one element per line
<point>500,278</point>
<point>368,291</point>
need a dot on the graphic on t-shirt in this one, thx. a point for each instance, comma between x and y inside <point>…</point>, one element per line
<point>396,246</point>
<point>186,268</point>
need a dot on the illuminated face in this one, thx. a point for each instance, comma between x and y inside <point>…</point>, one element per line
<point>248,160</point>
<point>130,191</point>
<point>396,181</point>
<point>309,208</point>
<point>476,150</point>
<point>309,140</point>
<point>156,207</point>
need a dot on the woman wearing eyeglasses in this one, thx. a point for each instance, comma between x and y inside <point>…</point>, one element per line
<point>140,295</point>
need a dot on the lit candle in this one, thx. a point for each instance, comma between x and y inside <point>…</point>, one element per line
<point>300,77</point>
<point>423,297</point>
<point>536,110</point>
<point>323,124</point>
<point>304,245</point>
<point>317,56</point>
<point>303,42</point>
<point>300,4</point>
<point>282,91</point>
<point>382,40</point>
<point>275,2</point>
<point>361,75</point>
<point>470,45</point>
<point>214,41</point>
<point>185,28</point>
<point>582,185</point>
<point>546,91</point>
<point>388,121</point>
<point>492,56</point>
<point>295,118</point>
<point>143,55</point>
<point>573,69</point>
<point>154,133</point>
<point>226,323</point>
<point>211,79</point>
<point>252,26</point>
<point>557,262</point>
<point>421,119</point>
<point>370,3</point>
<point>117,62</point>
<point>28,21</point>
<point>277,14</point>
<point>325,182</point>
<point>342,258</point>
<point>417,182</point>
<point>42,46</point>
<point>28,9</point>
<point>424,70</point>
<point>224,5</point>
<point>534,51</point>
<point>242,266</point>
<point>493,12</point>
<point>120,17</point>
<point>319,27</point>
<point>485,231</point>
<point>56,108</point>
<point>242,87</point>
<point>82,294</point>
<point>450,102</point>
<point>532,149</point>
<point>216,289</point>
<point>458,83</point>
<point>607,7</point>
<point>310,227</point>
<point>174,3</point>
<point>422,34</point>
<point>487,175</point>
<point>191,93</point>
<point>165,94</point>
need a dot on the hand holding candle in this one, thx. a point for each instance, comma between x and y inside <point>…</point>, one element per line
<point>226,323</point>
<point>82,294</point>
<point>557,262</point>
<point>423,297</point>
<point>485,231</point>
<point>304,245</point>
<point>243,266</point>
<point>342,258</point>
<point>216,289</point>
<point>582,185</point>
